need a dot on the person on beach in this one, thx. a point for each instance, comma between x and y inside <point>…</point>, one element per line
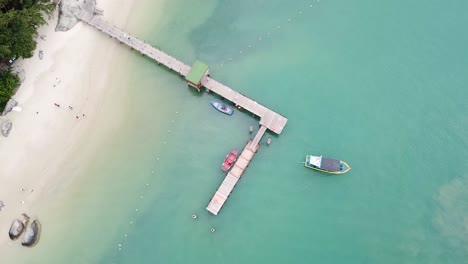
<point>71,108</point>
<point>57,105</point>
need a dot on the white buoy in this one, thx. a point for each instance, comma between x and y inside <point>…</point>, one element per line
<point>212,230</point>
<point>194,216</point>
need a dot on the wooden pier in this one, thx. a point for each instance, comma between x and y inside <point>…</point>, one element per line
<point>268,119</point>
<point>235,174</point>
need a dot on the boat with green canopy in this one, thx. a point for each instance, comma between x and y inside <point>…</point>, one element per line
<point>327,165</point>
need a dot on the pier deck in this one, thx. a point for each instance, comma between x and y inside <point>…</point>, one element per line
<point>268,119</point>
<point>231,179</point>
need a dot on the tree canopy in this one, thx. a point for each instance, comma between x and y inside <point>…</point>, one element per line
<point>19,21</point>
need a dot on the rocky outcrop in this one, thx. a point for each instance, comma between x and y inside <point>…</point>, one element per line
<point>9,106</point>
<point>17,227</point>
<point>6,126</point>
<point>32,234</point>
<point>68,9</point>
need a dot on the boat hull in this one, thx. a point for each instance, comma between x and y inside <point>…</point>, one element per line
<point>345,167</point>
<point>229,161</point>
<point>222,107</point>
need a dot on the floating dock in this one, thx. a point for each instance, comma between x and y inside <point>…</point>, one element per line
<point>198,77</point>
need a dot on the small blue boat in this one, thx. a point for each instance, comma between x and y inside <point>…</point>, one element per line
<point>222,107</point>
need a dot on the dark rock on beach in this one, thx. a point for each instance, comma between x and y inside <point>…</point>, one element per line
<point>17,227</point>
<point>68,9</point>
<point>32,234</point>
<point>9,106</point>
<point>5,127</point>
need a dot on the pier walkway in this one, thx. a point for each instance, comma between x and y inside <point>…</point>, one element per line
<point>268,119</point>
<point>235,174</point>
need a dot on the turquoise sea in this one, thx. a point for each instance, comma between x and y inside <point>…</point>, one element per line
<point>382,85</point>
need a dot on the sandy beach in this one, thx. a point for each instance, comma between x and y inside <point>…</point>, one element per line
<point>59,99</point>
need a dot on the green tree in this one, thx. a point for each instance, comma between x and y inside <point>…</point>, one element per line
<point>19,21</point>
<point>8,83</point>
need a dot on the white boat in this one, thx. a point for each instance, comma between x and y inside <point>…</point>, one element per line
<point>327,165</point>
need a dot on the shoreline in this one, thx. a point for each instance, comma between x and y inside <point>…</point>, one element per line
<point>60,99</point>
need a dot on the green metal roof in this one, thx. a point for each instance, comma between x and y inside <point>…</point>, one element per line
<point>196,73</point>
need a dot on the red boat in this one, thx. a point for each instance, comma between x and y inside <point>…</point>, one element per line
<point>229,161</point>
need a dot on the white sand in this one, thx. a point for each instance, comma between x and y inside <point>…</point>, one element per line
<point>74,72</point>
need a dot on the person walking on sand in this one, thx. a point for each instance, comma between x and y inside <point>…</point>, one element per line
<point>57,105</point>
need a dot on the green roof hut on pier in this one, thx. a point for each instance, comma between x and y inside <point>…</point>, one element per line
<point>197,75</point>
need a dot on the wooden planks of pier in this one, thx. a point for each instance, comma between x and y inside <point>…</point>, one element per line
<point>156,54</point>
<point>268,119</point>
<point>235,174</point>
<point>231,179</point>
